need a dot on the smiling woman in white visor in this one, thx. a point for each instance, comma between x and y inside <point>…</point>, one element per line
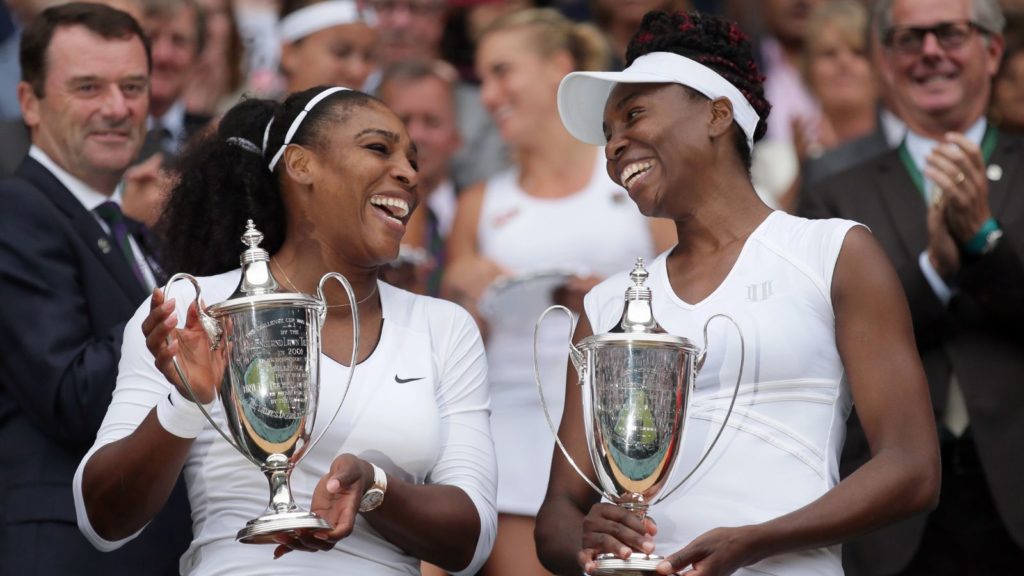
<point>327,42</point>
<point>824,320</point>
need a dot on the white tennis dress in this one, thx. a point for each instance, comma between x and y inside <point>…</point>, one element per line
<point>417,407</point>
<point>598,231</point>
<point>780,449</point>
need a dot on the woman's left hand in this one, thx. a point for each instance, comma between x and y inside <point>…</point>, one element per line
<point>336,499</point>
<point>718,552</point>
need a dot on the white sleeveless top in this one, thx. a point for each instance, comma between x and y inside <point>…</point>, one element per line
<point>781,446</point>
<point>598,231</point>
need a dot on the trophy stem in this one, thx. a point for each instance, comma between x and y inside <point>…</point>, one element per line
<point>278,470</point>
<point>283,516</point>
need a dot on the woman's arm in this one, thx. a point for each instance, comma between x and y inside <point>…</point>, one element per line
<point>467,274</point>
<point>144,440</point>
<point>451,521</point>
<point>876,344</point>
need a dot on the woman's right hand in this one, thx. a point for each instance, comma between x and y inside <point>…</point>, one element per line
<point>203,367</point>
<point>466,279</point>
<point>610,529</point>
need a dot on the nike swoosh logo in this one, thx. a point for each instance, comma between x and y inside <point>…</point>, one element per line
<point>407,380</point>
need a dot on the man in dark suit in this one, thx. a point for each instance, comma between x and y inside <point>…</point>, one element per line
<point>72,271</point>
<point>948,207</point>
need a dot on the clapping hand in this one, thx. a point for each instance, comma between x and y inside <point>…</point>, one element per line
<point>957,168</point>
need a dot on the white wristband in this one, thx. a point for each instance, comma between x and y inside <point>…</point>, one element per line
<point>181,416</point>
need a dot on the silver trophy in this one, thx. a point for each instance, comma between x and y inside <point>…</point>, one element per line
<point>269,342</point>
<point>637,381</point>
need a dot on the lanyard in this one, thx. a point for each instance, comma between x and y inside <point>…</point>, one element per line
<point>988,145</point>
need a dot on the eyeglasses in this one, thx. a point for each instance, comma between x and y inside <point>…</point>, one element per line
<point>416,8</point>
<point>950,35</point>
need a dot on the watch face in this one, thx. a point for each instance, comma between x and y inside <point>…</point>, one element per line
<point>371,500</point>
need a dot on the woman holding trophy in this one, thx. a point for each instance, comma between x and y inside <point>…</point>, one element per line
<point>406,471</point>
<point>824,321</point>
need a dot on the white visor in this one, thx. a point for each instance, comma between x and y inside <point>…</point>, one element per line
<point>582,95</point>
<point>322,16</point>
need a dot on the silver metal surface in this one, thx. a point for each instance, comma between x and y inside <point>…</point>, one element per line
<point>269,342</point>
<point>637,381</point>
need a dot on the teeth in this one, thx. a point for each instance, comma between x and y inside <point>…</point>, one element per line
<point>397,207</point>
<point>634,170</point>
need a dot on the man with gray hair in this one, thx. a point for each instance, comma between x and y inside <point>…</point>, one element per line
<point>948,209</point>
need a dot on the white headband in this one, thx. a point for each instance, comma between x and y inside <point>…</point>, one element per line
<point>582,95</point>
<point>296,123</point>
<point>321,16</point>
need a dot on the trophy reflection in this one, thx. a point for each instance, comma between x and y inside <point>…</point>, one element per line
<point>269,343</point>
<point>637,381</point>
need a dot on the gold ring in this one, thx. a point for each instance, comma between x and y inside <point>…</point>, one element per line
<point>960,177</point>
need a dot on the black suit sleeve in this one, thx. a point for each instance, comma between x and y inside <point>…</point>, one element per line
<point>994,283</point>
<point>57,368</point>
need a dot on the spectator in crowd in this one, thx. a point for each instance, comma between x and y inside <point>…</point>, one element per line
<point>889,128</point>
<point>822,314</point>
<point>72,270</point>
<point>620,20</point>
<point>794,108</point>
<point>176,31</point>
<point>1007,107</point>
<point>14,136</point>
<point>331,191</point>
<point>414,29</point>
<point>947,208</point>
<point>838,72</point>
<point>325,42</point>
<point>218,78</point>
<point>422,93</point>
<point>554,222</point>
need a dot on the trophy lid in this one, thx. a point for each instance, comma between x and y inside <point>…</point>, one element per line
<point>258,287</point>
<point>637,325</point>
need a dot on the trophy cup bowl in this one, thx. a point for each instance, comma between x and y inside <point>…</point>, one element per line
<point>269,391</point>
<point>637,381</point>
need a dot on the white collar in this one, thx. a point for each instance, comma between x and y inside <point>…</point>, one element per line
<point>87,195</point>
<point>920,147</point>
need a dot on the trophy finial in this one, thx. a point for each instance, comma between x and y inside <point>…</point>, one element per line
<point>637,317</point>
<point>639,274</point>
<point>255,261</point>
<point>252,237</point>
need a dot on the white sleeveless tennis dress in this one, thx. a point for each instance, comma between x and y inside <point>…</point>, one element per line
<point>598,231</point>
<point>781,447</point>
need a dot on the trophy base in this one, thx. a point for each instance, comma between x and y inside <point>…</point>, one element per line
<point>262,530</point>
<point>636,565</point>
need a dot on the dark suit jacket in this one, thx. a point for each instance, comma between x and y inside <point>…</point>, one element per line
<point>843,158</point>
<point>65,304</point>
<point>978,335</point>
<point>14,144</point>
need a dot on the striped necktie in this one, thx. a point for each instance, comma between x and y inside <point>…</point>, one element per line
<point>110,212</point>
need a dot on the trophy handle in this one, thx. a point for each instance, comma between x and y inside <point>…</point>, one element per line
<point>700,364</point>
<point>355,342</point>
<point>579,362</point>
<point>214,332</point>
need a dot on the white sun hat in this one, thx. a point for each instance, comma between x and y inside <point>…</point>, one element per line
<point>582,95</point>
